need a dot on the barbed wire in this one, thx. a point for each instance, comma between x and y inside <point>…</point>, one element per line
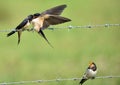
<point>54,80</point>
<point>86,26</point>
<point>73,27</point>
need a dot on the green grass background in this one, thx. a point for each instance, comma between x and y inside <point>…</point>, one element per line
<point>34,59</point>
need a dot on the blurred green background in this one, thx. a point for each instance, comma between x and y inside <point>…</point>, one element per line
<point>34,59</point>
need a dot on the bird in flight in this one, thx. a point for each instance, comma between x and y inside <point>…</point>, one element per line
<point>90,73</point>
<point>41,21</point>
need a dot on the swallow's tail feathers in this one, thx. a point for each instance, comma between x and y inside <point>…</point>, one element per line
<point>43,35</point>
<point>12,32</point>
<point>82,81</point>
<point>55,19</point>
<point>19,36</point>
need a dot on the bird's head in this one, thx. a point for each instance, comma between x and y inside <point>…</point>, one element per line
<point>36,15</point>
<point>30,17</point>
<point>92,66</point>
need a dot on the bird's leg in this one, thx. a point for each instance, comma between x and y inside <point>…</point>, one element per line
<point>93,78</point>
<point>32,29</point>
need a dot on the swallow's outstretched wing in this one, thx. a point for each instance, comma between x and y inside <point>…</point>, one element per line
<point>51,16</point>
<point>53,20</point>
<point>55,10</point>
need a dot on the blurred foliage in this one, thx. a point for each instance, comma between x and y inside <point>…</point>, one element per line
<point>35,59</point>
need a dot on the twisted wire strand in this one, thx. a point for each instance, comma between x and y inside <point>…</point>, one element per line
<point>85,26</point>
<point>72,27</point>
<point>54,80</point>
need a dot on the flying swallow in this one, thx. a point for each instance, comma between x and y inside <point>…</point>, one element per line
<point>49,17</point>
<point>21,27</point>
<point>90,73</point>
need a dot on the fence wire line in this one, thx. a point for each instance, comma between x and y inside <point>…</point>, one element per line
<point>54,80</point>
<point>73,27</point>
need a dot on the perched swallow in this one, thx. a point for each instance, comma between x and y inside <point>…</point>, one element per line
<point>90,73</point>
<point>21,27</point>
<point>49,17</point>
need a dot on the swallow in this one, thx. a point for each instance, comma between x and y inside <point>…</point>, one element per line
<point>21,27</point>
<point>90,73</point>
<point>49,17</point>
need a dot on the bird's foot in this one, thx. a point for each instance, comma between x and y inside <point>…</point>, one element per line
<point>93,78</point>
<point>32,29</point>
<point>51,28</point>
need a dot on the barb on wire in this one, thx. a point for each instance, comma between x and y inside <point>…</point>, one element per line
<point>72,27</point>
<point>54,80</point>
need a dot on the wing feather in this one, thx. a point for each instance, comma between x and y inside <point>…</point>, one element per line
<point>54,20</point>
<point>55,10</point>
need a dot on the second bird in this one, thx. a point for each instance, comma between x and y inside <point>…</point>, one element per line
<point>90,73</point>
<point>21,27</point>
<point>49,17</point>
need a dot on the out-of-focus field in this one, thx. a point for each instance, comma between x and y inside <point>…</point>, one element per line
<point>34,59</point>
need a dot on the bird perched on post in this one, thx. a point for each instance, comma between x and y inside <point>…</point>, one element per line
<point>21,27</point>
<point>49,17</point>
<point>90,73</point>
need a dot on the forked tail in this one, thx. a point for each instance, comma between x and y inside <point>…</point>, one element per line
<point>43,35</point>
<point>11,33</point>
